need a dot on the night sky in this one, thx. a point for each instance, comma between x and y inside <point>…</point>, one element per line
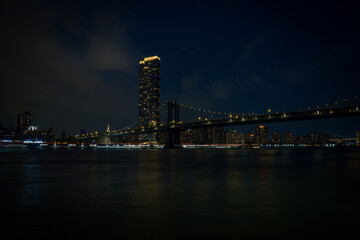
<point>74,64</point>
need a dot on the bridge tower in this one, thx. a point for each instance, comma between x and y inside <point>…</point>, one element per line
<point>173,112</point>
<point>173,117</point>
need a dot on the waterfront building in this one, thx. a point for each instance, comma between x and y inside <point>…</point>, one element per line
<point>51,135</point>
<point>215,135</point>
<point>241,137</point>
<point>186,136</point>
<point>36,134</point>
<point>289,137</point>
<point>234,137</point>
<point>250,137</point>
<point>23,122</point>
<point>7,133</point>
<point>212,135</point>
<point>149,96</point>
<point>276,137</point>
<point>149,92</point>
<point>261,134</point>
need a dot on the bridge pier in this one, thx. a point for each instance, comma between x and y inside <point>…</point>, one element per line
<point>173,139</point>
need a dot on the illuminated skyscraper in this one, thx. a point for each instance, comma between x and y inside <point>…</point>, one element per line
<point>250,137</point>
<point>149,96</point>
<point>262,134</point>
<point>149,92</point>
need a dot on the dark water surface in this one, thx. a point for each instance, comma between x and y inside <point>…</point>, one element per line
<point>180,194</point>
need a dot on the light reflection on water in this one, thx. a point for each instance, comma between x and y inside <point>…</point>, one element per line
<point>168,194</point>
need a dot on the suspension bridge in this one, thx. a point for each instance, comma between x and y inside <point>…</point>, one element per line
<point>207,119</point>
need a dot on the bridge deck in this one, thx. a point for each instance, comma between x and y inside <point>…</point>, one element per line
<point>253,119</point>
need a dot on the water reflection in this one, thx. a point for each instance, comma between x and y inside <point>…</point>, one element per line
<point>204,192</point>
<point>31,187</point>
<point>30,194</point>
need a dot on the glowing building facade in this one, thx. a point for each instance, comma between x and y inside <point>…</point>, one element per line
<point>149,92</point>
<point>262,134</point>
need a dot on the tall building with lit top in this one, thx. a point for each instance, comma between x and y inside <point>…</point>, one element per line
<point>149,92</point>
<point>262,134</point>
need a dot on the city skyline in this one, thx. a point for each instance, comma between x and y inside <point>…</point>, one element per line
<point>261,135</point>
<point>244,62</point>
<point>212,119</point>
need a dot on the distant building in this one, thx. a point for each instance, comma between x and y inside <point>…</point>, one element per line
<point>303,139</point>
<point>23,122</point>
<point>186,136</point>
<point>289,137</point>
<point>241,137</point>
<point>261,134</point>
<point>212,135</point>
<point>35,133</point>
<point>7,133</point>
<point>250,138</point>
<point>51,135</point>
<point>276,137</point>
<point>200,136</point>
<point>215,135</point>
<point>313,137</point>
<point>234,137</point>
<point>149,95</point>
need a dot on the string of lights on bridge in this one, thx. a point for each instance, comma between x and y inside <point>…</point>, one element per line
<point>213,114</point>
<point>220,115</point>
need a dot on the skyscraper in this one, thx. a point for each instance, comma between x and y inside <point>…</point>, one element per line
<point>23,122</point>
<point>149,92</point>
<point>262,134</point>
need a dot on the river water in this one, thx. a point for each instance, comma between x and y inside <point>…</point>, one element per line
<point>179,194</point>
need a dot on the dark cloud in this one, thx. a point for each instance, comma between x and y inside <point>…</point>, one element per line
<point>63,86</point>
<point>248,50</point>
